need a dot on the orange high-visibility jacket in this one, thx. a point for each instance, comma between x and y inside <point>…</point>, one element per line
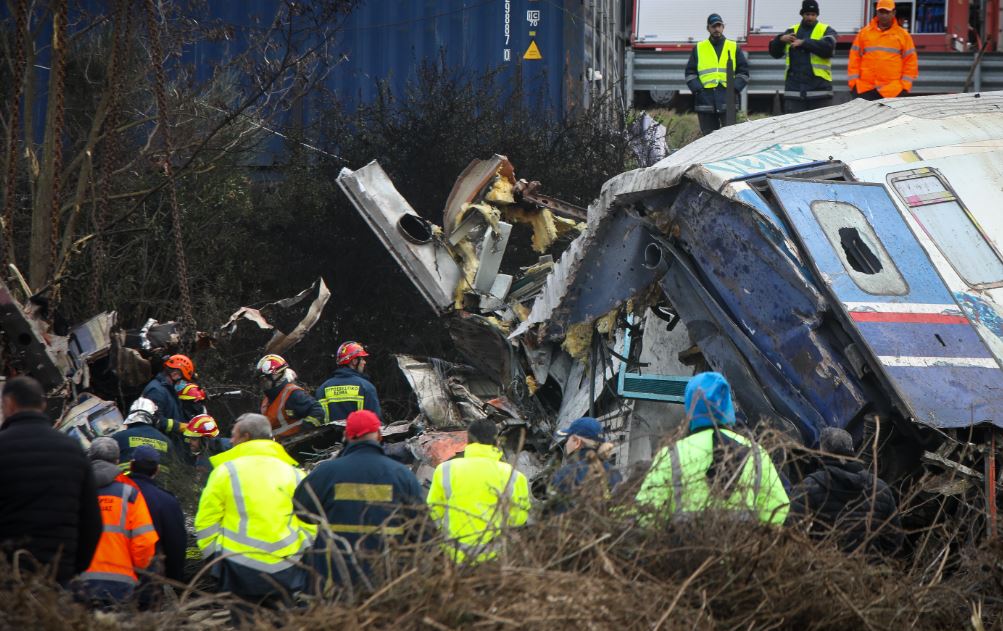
<point>128,540</point>
<point>885,60</point>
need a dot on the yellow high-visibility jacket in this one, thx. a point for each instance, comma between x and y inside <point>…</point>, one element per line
<point>473,498</point>
<point>677,481</point>
<point>247,508</point>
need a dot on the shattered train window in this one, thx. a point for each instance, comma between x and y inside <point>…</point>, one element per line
<point>950,225</point>
<point>859,250</point>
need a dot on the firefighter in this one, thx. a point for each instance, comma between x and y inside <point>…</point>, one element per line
<point>883,61</point>
<point>128,540</point>
<point>475,497</point>
<point>707,78</point>
<point>358,496</point>
<point>807,48</point>
<point>245,525</point>
<point>139,430</point>
<point>714,467</point>
<point>348,389</point>
<point>204,442</point>
<point>286,405</point>
<point>161,390</point>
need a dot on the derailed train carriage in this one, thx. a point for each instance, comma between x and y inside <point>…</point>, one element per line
<point>841,268</point>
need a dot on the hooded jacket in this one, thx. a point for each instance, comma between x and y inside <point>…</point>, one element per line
<point>845,498</point>
<point>48,495</point>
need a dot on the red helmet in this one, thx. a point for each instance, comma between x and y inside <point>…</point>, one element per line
<point>272,366</point>
<point>349,351</point>
<point>182,363</point>
<point>191,392</point>
<point>202,426</point>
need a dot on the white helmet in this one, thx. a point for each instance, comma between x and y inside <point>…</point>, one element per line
<point>141,411</point>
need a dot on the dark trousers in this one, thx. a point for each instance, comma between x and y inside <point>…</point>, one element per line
<point>710,121</point>
<point>793,106</point>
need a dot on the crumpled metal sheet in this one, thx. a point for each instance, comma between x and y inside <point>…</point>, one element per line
<point>429,386</point>
<point>280,340</point>
<point>29,352</point>
<point>470,184</point>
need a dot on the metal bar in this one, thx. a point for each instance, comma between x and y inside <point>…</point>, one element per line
<point>990,464</point>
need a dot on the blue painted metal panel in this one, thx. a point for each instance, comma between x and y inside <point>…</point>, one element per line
<point>946,377</point>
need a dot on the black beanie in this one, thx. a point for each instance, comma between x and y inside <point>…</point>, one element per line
<point>809,6</point>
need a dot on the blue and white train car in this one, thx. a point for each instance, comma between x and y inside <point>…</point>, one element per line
<point>837,266</point>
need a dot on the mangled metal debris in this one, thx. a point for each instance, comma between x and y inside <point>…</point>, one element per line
<point>264,317</point>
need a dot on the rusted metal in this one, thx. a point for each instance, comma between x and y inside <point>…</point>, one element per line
<point>59,43</point>
<point>17,87</point>
<point>529,192</point>
<point>180,262</point>
<point>990,463</point>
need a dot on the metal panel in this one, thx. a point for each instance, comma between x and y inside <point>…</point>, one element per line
<point>775,16</point>
<point>674,21</point>
<point>916,338</point>
<point>939,73</point>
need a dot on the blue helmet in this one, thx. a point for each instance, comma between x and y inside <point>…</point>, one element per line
<point>708,401</point>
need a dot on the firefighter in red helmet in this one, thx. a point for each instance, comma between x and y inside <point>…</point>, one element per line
<point>286,404</point>
<point>348,389</point>
<point>162,390</point>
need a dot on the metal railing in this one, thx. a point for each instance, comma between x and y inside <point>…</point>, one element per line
<point>939,73</point>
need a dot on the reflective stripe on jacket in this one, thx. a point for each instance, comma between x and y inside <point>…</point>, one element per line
<point>128,539</point>
<point>247,509</point>
<point>820,66</point>
<point>885,60</point>
<point>474,497</point>
<point>712,69</point>
<point>284,423</point>
<point>345,392</point>
<point>677,481</point>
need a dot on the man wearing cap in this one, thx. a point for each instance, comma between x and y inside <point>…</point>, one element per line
<point>715,467</point>
<point>48,493</point>
<point>362,496</point>
<point>707,75</point>
<point>844,500</point>
<point>246,526</point>
<point>807,48</point>
<point>139,430</point>
<point>883,61</point>
<point>586,472</point>
<point>168,518</point>
<point>128,540</point>
<point>474,498</point>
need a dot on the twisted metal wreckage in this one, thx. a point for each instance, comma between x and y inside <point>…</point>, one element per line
<point>842,270</point>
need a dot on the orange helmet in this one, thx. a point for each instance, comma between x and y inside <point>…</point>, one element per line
<point>349,351</point>
<point>202,426</point>
<point>191,392</point>
<point>182,363</point>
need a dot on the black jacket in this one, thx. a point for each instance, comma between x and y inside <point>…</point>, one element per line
<point>801,81</point>
<point>845,499</point>
<point>169,521</point>
<point>715,99</point>
<point>48,498</point>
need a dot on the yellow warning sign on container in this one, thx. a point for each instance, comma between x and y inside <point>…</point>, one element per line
<point>532,52</point>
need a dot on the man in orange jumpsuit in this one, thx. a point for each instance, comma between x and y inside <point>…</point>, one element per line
<point>883,61</point>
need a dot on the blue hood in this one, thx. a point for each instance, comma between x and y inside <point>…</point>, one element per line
<point>708,401</point>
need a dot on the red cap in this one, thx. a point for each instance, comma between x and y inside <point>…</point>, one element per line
<point>360,423</point>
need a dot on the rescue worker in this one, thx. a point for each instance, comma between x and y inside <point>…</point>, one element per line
<point>845,500</point>
<point>586,472</point>
<point>475,497</point>
<point>165,511</point>
<point>286,404</point>
<point>128,540</point>
<point>714,467</point>
<point>807,48</point>
<point>47,487</point>
<point>245,525</point>
<point>348,389</point>
<point>883,61</point>
<point>360,495</point>
<point>139,430</point>
<point>204,442</point>
<point>706,75</point>
<point>161,390</point>
<point>192,398</point>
